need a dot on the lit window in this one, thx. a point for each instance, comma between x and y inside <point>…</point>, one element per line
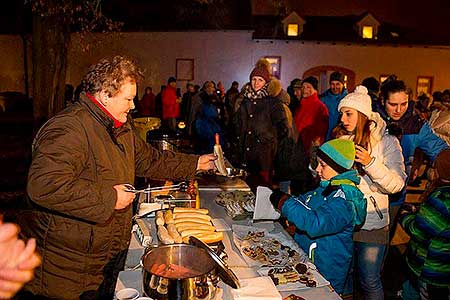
<point>367,32</point>
<point>292,30</point>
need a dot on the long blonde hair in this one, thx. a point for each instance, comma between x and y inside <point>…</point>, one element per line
<point>361,135</point>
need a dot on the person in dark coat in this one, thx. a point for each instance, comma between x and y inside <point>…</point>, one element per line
<point>261,122</point>
<point>83,159</point>
<point>187,100</point>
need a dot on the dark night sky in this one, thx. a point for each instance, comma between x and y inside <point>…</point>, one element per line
<point>428,16</point>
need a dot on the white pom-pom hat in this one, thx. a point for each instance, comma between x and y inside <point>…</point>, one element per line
<point>358,100</point>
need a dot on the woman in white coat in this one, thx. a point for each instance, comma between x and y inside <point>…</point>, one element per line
<point>379,161</point>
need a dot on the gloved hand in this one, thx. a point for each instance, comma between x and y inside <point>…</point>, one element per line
<point>406,209</point>
<point>277,198</point>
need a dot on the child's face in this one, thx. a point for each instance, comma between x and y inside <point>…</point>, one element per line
<point>325,171</point>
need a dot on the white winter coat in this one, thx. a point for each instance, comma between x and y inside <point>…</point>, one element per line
<point>440,122</point>
<point>385,174</point>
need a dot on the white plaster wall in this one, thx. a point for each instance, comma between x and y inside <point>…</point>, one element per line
<point>230,55</point>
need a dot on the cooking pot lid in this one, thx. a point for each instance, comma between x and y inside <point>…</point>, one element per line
<point>224,272</point>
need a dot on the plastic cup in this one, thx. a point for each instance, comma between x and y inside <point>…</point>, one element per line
<point>127,294</point>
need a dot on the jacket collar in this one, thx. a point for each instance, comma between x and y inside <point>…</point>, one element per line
<point>116,122</point>
<point>349,177</point>
<point>104,118</point>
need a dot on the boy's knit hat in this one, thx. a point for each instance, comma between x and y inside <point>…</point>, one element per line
<point>358,100</point>
<point>338,154</point>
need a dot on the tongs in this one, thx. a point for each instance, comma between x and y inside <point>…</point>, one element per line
<point>182,186</point>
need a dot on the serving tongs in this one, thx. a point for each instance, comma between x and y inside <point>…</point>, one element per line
<point>182,187</point>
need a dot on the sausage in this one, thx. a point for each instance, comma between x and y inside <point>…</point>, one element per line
<point>159,218</point>
<point>174,233</point>
<point>164,235</point>
<point>168,217</point>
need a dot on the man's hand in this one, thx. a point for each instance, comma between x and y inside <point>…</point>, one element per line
<point>206,162</point>
<point>123,198</point>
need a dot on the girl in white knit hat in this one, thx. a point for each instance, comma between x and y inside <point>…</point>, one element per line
<point>379,162</point>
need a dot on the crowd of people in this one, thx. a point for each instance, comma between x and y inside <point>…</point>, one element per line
<point>278,141</point>
<point>338,163</point>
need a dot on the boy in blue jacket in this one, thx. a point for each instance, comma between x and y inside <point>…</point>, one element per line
<point>326,217</point>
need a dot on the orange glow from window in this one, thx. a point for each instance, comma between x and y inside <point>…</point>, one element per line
<point>292,30</point>
<point>367,32</point>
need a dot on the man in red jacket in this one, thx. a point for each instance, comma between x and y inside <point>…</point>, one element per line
<point>311,116</point>
<point>170,105</point>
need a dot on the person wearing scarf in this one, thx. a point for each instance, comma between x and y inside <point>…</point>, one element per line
<point>262,122</point>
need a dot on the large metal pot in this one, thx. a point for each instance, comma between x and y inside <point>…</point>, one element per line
<point>165,139</point>
<point>143,125</point>
<point>178,271</point>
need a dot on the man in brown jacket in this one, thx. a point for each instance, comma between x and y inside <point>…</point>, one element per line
<point>82,159</point>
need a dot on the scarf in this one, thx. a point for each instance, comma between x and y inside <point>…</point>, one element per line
<point>251,94</point>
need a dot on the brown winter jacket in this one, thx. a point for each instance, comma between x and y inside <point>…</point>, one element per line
<point>77,159</point>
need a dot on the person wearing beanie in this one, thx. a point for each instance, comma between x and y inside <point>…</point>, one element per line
<point>331,98</point>
<point>259,123</point>
<point>427,252</point>
<point>311,116</point>
<point>326,217</point>
<point>379,162</point>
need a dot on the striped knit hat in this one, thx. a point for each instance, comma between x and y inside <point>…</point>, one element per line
<point>338,154</point>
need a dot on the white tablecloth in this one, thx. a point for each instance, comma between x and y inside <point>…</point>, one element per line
<point>133,278</point>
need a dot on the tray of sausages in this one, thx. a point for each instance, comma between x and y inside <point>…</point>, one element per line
<point>176,225</point>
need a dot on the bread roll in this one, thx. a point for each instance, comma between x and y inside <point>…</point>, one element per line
<point>174,233</point>
<point>203,211</point>
<point>191,219</point>
<point>208,238</point>
<point>168,217</point>
<point>191,215</point>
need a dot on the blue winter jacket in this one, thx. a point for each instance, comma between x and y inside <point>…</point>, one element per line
<point>332,101</point>
<point>413,133</point>
<point>325,219</point>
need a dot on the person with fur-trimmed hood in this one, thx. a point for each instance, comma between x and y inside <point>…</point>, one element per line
<point>260,123</point>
